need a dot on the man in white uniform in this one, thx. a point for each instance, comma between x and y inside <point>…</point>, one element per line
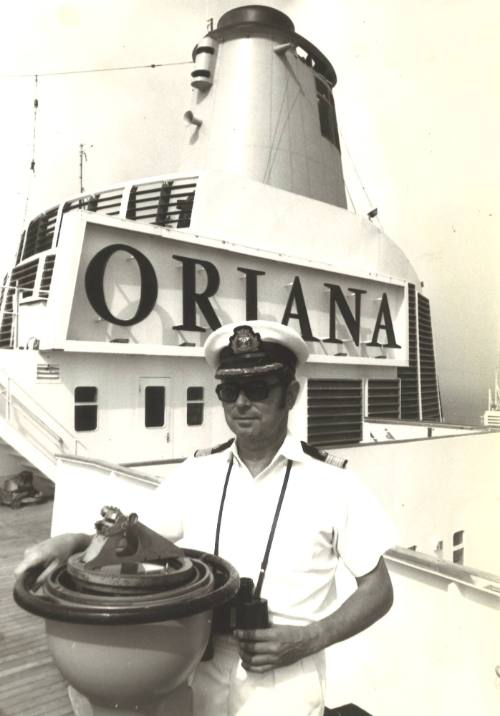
<point>284,519</point>
<point>325,516</point>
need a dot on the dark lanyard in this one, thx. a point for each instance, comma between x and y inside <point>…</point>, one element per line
<point>265,560</point>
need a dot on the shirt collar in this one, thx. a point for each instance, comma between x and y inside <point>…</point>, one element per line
<point>290,449</point>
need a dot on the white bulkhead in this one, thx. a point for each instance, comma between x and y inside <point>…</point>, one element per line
<point>262,106</point>
<point>104,316</point>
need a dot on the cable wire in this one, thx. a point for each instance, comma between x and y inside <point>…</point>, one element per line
<point>35,112</point>
<point>33,151</point>
<point>365,192</point>
<point>153,65</point>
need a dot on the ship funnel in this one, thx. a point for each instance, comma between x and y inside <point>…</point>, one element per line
<point>264,95</point>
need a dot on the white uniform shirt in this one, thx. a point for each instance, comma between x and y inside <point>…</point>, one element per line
<point>326,515</point>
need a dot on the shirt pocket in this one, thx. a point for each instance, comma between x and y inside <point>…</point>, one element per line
<point>301,544</point>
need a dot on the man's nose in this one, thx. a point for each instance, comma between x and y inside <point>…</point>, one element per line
<point>242,398</point>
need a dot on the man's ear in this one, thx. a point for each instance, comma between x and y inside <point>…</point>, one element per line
<point>292,393</point>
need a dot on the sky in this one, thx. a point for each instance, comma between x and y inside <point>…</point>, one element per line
<point>418,108</point>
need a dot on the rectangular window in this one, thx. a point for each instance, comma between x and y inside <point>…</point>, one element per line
<point>154,406</point>
<point>458,547</point>
<point>194,405</point>
<point>85,408</point>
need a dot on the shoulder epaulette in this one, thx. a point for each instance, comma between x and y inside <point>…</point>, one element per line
<point>202,452</point>
<point>324,455</point>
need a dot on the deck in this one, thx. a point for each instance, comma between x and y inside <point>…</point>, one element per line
<point>30,684</point>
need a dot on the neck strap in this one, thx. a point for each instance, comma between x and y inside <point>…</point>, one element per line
<point>265,560</point>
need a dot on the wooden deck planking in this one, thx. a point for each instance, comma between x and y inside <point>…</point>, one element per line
<point>30,683</point>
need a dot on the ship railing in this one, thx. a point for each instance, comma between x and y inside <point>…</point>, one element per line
<point>435,652</point>
<point>34,423</point>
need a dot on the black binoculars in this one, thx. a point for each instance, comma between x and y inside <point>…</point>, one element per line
<point>243,611</point>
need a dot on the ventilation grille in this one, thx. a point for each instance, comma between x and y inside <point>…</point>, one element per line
<point>105,202</point>
<point>409,378</point>
<point>24,276</point>
<point>48,270</point>
<point>164,203</point>
<point>7,323</point>
<point>334,412</point>
<point>428,380</point>
<point>39,235</point>
<point>48,372</point>
<point>384,399</point>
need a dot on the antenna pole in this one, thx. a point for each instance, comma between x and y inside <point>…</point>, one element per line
<point>82,157</point>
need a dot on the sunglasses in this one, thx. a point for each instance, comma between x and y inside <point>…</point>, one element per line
<point>254,390</point>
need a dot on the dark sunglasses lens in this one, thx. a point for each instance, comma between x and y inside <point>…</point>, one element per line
<point>256,390</point>
<point>227,392</point>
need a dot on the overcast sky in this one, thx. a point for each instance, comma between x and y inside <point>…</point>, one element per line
<point>418,107</point>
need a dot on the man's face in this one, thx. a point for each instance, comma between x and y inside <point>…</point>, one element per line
<point>254,418</point>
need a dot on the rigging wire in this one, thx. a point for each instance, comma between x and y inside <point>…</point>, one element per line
<point>153,65</point>
<point>36,76</point>
<point>33,149</point>
<point>35,112</point>
<point>349,196</point>
<point>358,176</point>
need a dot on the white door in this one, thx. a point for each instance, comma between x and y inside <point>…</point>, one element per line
<point>154,418</point>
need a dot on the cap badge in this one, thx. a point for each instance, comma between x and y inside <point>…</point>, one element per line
<point>244,340</point>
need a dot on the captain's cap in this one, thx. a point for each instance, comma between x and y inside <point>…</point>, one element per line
<point>254,348</point>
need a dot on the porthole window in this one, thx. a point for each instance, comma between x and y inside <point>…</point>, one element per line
<point>195,405</point>
<point>85,408</point>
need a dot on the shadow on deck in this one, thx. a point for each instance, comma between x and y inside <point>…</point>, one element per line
<point>30,683</point>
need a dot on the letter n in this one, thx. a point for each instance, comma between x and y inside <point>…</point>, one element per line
<point>353,322</point>
<point>297,297</point>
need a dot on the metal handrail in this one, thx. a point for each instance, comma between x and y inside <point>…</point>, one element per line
<point>444,569</point>
<point>61,438</point>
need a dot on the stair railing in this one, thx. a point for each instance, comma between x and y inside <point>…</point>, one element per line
<point>18,406</point>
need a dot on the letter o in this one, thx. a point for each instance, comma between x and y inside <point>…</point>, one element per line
<point>94,285</point>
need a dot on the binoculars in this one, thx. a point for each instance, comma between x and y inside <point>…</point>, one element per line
<point>243,611</point>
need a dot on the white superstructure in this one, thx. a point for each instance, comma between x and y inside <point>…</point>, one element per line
<point>105,312</point>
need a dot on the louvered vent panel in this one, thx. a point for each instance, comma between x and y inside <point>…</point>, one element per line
<point>164,203</point>
<point>48,372</point>
<point>334,412</point>
<point>24,275</point>
<point>48,269</point>
<point>105,202</point>
<point>40,233</point>
<point>408,376</point>
<point>7,320</point>
<point>428,379</point>
<point>383,399</point>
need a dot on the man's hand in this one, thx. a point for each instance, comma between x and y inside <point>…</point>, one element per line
<point>51,553</point>
<point>265,649</point>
